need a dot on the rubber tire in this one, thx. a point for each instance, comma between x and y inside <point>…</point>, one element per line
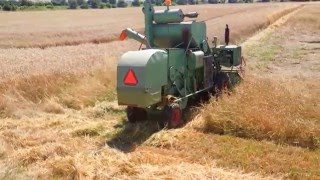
<point>204,96</point>
<point>222,83</point>
<point>172,115</point>
<point>135,114</point>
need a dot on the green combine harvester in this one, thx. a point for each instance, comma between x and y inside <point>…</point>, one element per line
<point>175,67</point>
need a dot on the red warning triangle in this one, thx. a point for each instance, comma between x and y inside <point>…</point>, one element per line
<point>130,78</point>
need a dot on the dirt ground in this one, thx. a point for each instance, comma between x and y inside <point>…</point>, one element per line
<point>296,50</point>
<point>293,57</point>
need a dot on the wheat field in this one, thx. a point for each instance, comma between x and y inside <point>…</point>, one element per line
<point>45,29</point>
<point>60,120</point>
<point>46,70</point>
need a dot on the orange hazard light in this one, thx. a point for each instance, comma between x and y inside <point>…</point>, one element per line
<point>130,78</point>
<point>167,2</point>
<point>123,35</point>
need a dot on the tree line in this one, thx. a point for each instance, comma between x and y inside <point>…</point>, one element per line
<point>13,5</point>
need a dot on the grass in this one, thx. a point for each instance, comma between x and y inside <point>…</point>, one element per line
<point>270,124</point>
<point>42,8</point>
<point>104,108</point>
<point>65,167</point>
<point>309,17</point>
<point>272,105</point>
<point>263,109</point>
<point>53,93</point>
<point>52,106</point>
<point>5,108</point>
<point>2,150</point>
<point>268,49</point>
<point>248,155</point>
<point>265,51</point>
<point>93,130</point>
<point>41,146</point>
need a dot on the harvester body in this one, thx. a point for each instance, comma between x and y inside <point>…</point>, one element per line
<point>176,65</point>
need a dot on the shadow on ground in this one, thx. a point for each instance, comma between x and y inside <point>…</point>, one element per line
<point>132,135</point>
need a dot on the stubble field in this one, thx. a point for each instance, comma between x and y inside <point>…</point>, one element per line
<point>59,117</point>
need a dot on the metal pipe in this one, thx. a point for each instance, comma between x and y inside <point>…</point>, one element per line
<point>191,15</point>
<point>192,94</point>
<point>148,21</point>
<point>226,35</point>
<point>130,33</point>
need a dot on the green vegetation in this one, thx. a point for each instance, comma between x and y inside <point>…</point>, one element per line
<point>122,4</point>
<point>94,4</point>
<point>135,3</point>
<point>9,5</point>
<point>80,2</point>
<point>265,51</point>
<point>28,5</point>
<point>73,4</point>
<point>84,6</point>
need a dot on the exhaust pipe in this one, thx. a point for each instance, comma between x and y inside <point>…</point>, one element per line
<point>226,35</point>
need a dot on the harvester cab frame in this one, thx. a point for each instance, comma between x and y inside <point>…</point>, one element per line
<point>176,67</point>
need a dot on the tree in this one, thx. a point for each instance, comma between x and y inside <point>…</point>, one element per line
<point>39,3</point>
<point>95,4</point>
<point>50,6</point>
<point>212,1</point>
<point>59,2</point>
<point>73,4</point>
<point>9,6</point>
<point>2,2</point>
<point>80,2</point>
<point>122,3</point>
<point>182,2</point>
<point>135,3</point>
<point>192,2</point>
<point>25,3</point>
<point>159,2</point>
<point>102,5</point>
<point>84,6</point>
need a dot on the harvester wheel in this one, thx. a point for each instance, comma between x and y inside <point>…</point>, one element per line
<point>172,115</point>
<point>135,114</point>
<point>222,84</point>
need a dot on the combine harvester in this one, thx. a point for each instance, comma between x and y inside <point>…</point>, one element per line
<point>176,66</point>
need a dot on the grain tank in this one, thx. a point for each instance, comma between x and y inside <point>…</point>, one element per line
<point>175,65</point>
